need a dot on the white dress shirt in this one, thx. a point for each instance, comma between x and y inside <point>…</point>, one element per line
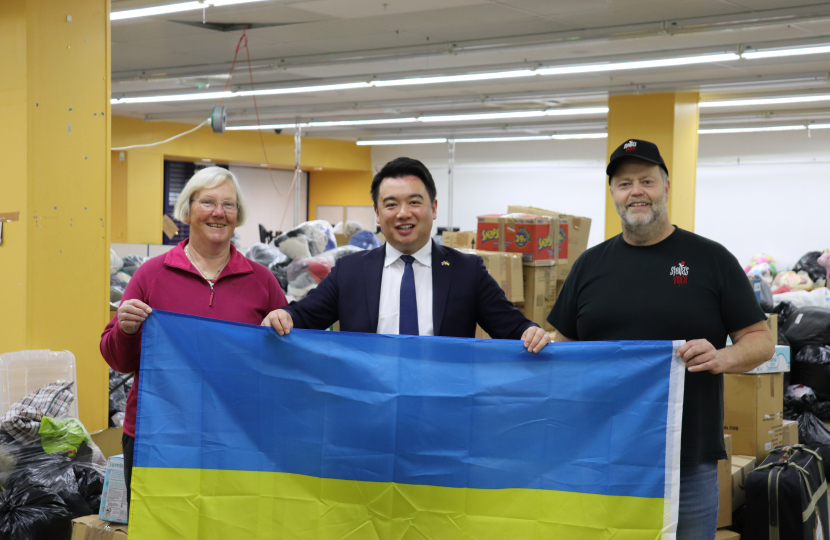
<point>390,290</point>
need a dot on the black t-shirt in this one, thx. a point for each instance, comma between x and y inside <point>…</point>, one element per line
<point>685,287</point>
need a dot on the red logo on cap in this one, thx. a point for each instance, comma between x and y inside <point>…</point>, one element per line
<point>630,145</point>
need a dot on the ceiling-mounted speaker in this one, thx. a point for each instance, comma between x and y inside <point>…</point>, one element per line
<point>218,119</point>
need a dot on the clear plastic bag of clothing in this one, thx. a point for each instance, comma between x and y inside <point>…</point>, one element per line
<point>264,254</point>
<point>334,255</point>
<point>132,262</point>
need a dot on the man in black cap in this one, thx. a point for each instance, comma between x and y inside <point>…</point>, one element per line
<point>656,281</point>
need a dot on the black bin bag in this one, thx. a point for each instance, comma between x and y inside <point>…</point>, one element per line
<point>30,513</point>
<point>809,263</point>
<point>809,325</point>
<point>811,367</point>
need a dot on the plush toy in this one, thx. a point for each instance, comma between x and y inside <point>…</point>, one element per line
<point>763,266</point>
<point>796,281</point>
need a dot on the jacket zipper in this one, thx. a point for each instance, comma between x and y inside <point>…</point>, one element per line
<point>211,292</point>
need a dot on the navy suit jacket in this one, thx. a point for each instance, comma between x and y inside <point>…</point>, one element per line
<point>463,294</point>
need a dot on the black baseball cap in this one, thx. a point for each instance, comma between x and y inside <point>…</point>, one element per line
<point>647,151</point>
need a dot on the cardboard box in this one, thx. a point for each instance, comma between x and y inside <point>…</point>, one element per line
<point>741,466</point>
<point>779,363</point>
<point>790,432</point>
<point>540,294</point>
<point>461,239</point>
<point>772,324</point>
<point>725,485</point>
<point>725,534</point>
<point>108,441</point>
<point>92,528</point>
<point>114,496</point>
<point>532,236</point>
<point>572,239</point>
<point>506,269</point>
<point>753,407</point>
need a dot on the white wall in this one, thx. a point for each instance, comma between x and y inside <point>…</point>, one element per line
<point>765,192</point>
<point>565,176</point>
<point>756,192</point>
<point>266,200</point>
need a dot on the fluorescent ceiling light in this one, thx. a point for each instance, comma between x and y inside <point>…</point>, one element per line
<point>764,101</point>
<point>179,97</point>
<point>666,62</point>
<point>458,78</point>
<point>402,141</point>
<point>488,139</point>
<point>749,130</point>
<point>506,139</point>
<point>786,52</point>
<point>301,89</point>
<point>583,136</point>
<point>686,60</point>
<point>580,136</point>
<point>172,8</point>
<point>447,118</point>
<point>483,116</point>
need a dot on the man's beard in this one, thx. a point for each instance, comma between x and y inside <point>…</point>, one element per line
<point>646,228</point>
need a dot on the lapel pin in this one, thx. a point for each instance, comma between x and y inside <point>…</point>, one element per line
<point>445,263</point>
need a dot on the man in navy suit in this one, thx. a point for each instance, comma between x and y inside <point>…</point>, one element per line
<point>411,285</point>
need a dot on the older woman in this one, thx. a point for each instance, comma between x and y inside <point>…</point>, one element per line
<point>204,275</point>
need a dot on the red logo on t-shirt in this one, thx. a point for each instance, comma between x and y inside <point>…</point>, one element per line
<point>680,273</point>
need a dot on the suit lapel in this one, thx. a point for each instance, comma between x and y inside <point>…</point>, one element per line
<point>441,279</point>
<point>373,270</point>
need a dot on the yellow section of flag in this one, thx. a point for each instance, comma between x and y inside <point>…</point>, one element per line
<point>191,504</point>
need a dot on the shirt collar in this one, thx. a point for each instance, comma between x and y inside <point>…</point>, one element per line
<point>423,255</point>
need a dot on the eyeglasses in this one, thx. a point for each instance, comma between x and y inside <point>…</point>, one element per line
<point>209,205</point>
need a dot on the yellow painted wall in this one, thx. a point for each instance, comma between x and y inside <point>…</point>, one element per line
<point>55,143</point>
<point>118,198</point>
<point>145,194</point>
<point>14,284</point>
<point>670,120</point>
<point>145,166</point>
<point>346,188</point>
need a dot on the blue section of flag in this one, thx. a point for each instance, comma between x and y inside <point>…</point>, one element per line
<point>580,417</point>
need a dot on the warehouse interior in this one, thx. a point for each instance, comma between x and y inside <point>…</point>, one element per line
<point>508,103</point>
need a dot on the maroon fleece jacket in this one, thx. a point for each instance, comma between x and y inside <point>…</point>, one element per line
<point>244,292</point>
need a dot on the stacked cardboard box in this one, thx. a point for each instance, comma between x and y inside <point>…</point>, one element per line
<point>741,466</point>
<point>460,239</point>
<point>572,237</point>
<point>772,324</point>
<point>506,269</point>
<point>725,485</point>
<point>532,236</point>
<point>790,432</point>
<point>540,293</point>
<point>754,412</point>
<point>92,528</point>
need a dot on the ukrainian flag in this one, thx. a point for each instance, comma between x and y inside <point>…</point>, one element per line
<point>246,435</point>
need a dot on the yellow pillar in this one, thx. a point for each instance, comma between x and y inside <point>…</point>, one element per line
<point>670,121</point>
<point>54,101</point>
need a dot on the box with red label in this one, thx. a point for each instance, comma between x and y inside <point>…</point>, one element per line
<point>573,235</point>
<point>518,233</point>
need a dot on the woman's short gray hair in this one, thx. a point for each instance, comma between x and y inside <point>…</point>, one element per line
<point>208,178</point>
